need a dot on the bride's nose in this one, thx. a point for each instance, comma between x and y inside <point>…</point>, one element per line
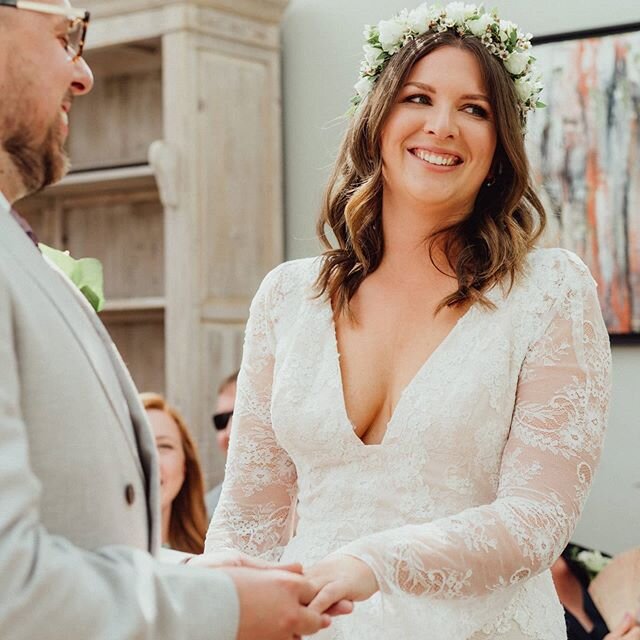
<point>440,121</point>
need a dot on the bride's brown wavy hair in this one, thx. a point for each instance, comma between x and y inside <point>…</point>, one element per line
<point>486,247</point>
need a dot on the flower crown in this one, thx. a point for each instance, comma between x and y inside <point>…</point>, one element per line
<point>501,37</point>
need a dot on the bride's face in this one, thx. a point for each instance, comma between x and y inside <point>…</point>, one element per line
<point>439,139</point>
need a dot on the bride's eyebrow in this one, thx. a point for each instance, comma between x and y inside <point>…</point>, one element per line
<point>420,85</point>
<point>475,96</point>
<point>429,89</point>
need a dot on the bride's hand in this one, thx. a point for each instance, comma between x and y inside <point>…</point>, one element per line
<point>338,578</point>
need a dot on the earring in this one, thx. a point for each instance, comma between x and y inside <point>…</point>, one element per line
<point>490,181</point>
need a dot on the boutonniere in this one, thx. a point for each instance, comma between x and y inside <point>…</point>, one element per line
<point>85,273</point>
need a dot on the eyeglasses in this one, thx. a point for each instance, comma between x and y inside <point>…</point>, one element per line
<point>221,420</point>
<point>78,22</point>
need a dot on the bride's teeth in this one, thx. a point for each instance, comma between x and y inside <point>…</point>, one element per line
<point>65,117</point>
<point>432,158</point>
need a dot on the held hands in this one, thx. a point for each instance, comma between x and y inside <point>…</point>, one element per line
<point>339,578</point>
<point>273,597</point>
<point>273,605</point>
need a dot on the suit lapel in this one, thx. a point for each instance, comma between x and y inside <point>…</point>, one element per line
<point>63,294</point>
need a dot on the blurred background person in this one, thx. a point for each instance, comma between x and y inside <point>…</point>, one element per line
<point>222,419</point>
<point>184,517</point>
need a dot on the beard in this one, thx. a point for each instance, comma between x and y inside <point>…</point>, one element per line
<point>39,164</point>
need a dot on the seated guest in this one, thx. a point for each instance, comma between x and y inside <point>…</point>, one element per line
<point>222,419</point>
<point>184,518</point>
<point>572,572</point>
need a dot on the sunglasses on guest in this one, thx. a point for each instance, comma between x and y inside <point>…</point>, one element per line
<point>221,420</point>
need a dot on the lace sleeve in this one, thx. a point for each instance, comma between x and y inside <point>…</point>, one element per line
<point>546,471</point>
<point>260,485</point>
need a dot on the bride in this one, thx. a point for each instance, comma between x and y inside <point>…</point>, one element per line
<point>420,410</point>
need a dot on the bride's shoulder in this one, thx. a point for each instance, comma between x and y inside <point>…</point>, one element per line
<point>293,273</point>
<point>551,277</point>
<point>290,280</point>
<point>556,269</point>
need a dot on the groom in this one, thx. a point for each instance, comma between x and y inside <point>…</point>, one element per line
<point>79,510</point>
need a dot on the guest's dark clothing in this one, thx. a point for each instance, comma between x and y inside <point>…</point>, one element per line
<point>575,631</point>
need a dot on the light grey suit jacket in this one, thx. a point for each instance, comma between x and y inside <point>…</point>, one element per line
<point>79,506</point>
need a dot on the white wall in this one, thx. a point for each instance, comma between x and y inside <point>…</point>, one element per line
<point>322,40</point>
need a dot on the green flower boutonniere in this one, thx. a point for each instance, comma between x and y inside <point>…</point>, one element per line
<point>85,273</point>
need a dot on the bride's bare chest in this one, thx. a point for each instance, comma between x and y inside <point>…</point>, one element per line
<point>381,349</point>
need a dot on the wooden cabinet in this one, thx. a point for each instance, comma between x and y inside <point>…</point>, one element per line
<point>176,187</point>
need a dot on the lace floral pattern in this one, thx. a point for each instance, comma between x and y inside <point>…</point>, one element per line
<point>481,476</point>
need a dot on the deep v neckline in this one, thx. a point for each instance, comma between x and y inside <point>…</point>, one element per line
<point>425,366</point>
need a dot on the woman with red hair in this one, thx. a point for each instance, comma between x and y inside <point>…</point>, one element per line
<point>184,517</point>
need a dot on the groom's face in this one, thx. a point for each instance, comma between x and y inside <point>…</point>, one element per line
<point>38,82</point>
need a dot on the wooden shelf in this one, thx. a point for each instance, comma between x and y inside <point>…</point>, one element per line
<point>109,179</point>
<point>134,309</point>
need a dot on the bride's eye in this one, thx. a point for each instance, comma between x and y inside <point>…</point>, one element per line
<point>476,110</point>
<point>418,98</point>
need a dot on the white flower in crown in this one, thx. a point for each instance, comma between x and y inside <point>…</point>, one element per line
<point>479,27</point>
<point>372,56</point>
<point>392,34</point>
<point>363,87</point>
<point>455,12</point>
<point>506,29</point>
<point>419,18</point>
<point>459,12</point>
<point>528,90</point>
<point>524,88</point>
<point>369,32</point>
<point>517,62</point>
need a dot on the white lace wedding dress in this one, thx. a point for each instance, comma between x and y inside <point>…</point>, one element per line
<point>480,478</point>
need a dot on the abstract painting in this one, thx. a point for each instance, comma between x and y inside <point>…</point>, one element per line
<point>584,149</point>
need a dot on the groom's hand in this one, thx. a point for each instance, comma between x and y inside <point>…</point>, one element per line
<point>273,605</point>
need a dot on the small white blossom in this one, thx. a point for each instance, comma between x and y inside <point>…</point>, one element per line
<point>516,63</point>
<point>391,34</point>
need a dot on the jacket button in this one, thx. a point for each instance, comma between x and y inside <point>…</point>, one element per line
<point>130,494</point>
